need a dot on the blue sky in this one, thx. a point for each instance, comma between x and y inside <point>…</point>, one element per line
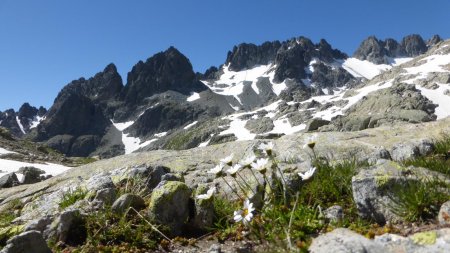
<point>45,44</point>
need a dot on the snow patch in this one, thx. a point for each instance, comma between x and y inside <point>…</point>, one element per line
<point>190,125</point>
<point>131,143</point>
<point>9,166</point>
<point>237,127</point>
<point>437,97</point>
<point>37,120</point>
<point>162,134</point>
<point>20,125</point>
<point>193,97</point>
<point>4,151</point>
<point>432,63</point>
<point>206,143</point>
<point>231,83</point>
<point>365,69</point>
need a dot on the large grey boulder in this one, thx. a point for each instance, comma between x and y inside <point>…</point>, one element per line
<point>40,224</point>
<point>9,180</point>
<point>444,214</point>
<point>343,240</point>
<point>169,205</point>
<point>31,175</point>
<point>315,123</point>
<point>126,201</point>
<point>409,150</point>
<point>148,176</point>
<point>422,242</point>
<point>99,181</point>
<point>373,189</point>
<point>259,126</point>
<point>204,209</point>
<point>399,103</point>
<point>69,228</point>
<point>27,242</point>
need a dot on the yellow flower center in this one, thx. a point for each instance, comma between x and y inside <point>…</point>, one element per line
<point>244,212</point>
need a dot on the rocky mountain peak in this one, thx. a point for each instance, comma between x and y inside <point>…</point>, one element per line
<point>380,52</point>
<point>434,40</point>
<point>103,86</point>
<point>168,70</point>
<point>247,55</point>
<point>413,45</point>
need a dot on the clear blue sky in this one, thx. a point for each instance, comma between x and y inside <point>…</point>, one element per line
<point>47,43</point>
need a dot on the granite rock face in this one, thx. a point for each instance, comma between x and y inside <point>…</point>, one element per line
<point>382,52</point>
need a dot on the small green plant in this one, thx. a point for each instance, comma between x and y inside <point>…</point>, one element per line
<point>110,232</point>
<point>71,196</point>
<point>419,200</point>
<point>439,160</point>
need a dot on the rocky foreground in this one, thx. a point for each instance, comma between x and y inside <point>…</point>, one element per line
<point>173,176</point>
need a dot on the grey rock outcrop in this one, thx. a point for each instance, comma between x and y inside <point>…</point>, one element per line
<point>27,242</point>
<point>169,205</point>
<point>31,175</point>
<point>382,52</point>
<point>126,201</point>
<point>398,103</point>
<point>343,240</point>
<point>9,180</point>
<point>259,126</point>
<point>444,214</point>
<point>69,228</point>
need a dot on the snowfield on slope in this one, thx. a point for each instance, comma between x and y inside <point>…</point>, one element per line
<point>231,83</point>
<point>367,69</point>
<point>9,166</point>
<point>131,143</point>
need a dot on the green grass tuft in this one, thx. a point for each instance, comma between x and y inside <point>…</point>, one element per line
<point>72,196</point>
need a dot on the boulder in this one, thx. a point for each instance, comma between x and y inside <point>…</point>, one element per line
<point>169,205</point>
<point>99,182</point>
<point>204,210</point>
<point>444,214</point>
<point>126,201</point>
<point>40,224</point>
<point>342,240</point>
<point>69,228</point>
<point>105,197</point>
<point>9,180</point>
<point>259,126</point>
<point>31,175</point>
<point>150,176</point>
<point>334,213</point>
<point>372,189</point>
<point>315,123</point>
<point>27,242</point>
<point>422,242</point>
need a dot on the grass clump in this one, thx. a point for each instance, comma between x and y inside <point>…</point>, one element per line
<point>419,200</point>
<point>110,232</point>
<point>438,160</point>
<point>71,196</point>
<point>332,184</point>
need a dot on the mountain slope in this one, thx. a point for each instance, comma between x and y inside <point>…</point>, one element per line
<point>261,91</point>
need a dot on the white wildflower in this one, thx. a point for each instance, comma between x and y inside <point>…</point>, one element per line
<point>227,160</point>
<point>247,162</point>
<point>307,175</point>
<point>266,148</point>
<point>311,142</point>
<point>245,215</point>
<point>260,165</point>
<point>233,170</point>
<point>208,194</point>
<point>217,170</point>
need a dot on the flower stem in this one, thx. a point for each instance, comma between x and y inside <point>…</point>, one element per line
<point>240,186</point>
<point>235,192</point>
<point>246,183</point>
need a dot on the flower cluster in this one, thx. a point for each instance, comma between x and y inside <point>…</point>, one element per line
<point>255,164</point>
